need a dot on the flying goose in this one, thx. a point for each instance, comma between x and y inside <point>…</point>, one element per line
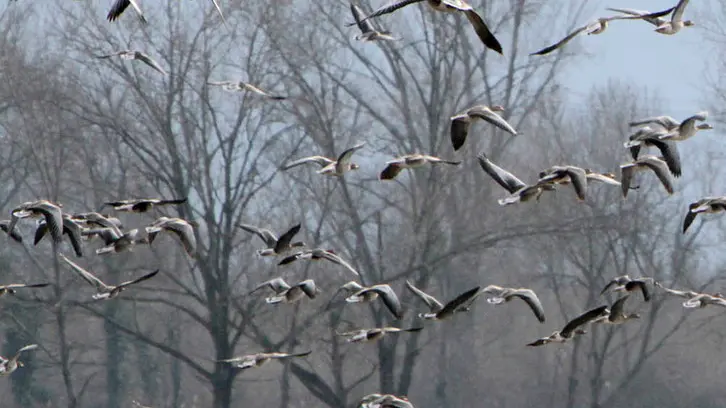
<point>330,167</point>
<point>385,292</point>
<point>105,291</point>
<point>7,366</point>
<point>239,86</point>
<point>70,227</point>
<point>687,294</point>
<point>704,299</point>
<point>658,165</point>
<point>115,244</point>
<point>36,209</point>
<point>257,360</point>
<point>676,23</point>
<point>275,245</point>
<point>374,334</point>
<point>139,205</point>
<point>15,235</point>
<point>449,6</point>
<point>461,122</point>
<point>10,289</point>
<point>368,32</point>
<point>519,191</point>
<point>285,293</point>
<point>119,6</point>
<point>571,329</point>
<point>410,161</point>
<point>625,283</point>
<point>566,175</point>
<point>500,295</point>
<point>688,128</point>
<point>439,311</point>
<point>594,27</point>
<point>646,136</point>
<point>616,314</point>
<point>181,228</point>
<point>317,254</point>
<point>706,205</point>
<point>135,55</point>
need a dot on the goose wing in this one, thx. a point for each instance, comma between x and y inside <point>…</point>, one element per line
<point>285,239</point>
<point>53,217</point>
<point>88,276</point>
<point>73,230</point>
<point>277,284</point>
<point>626,177</point>
<point>139,279</point>
<point>184,230</point>
<point>656,21</point>
<point>488,115</point>
<point>25,285</point>
<point>665,122</point>
<point>258,91</point>
<point>578,177</point>
<point>150,62</point>
<point>389,297</point>
<point>364,26</point>
<point>391,171</point>
<point>344,158</point>
<point>679,10</point>
<point>482,30</point>
<point>453,305</point>
<point>617,308</point>
<point>433,304</point>
<point>286,355</point>
<point>690,217</point>
<point>660,168</point>
<point>338,260</point>
<point>581,320</point>
<point>269,238</point>
<point>388,8</point>
<point>532,301</point>
<point>119,6</point>
<point>40,231</point>
<point>639,284</point>
<point>669,150</point>
<point>308,287</point>
<point>459,130</point>
<point>319,160</point>
<point>501,176</point>
<point>570,36</point>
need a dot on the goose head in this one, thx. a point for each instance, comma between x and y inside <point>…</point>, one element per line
<point>497,108</point>
<point>688,23</point>
<point>354,166</point>
<point>704,126</point>
<point>633,316</point>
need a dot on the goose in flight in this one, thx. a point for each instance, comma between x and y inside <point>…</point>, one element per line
<point>15,235</point>
<point>500,295</point>
<point>374,334</point>
<point>646,136</point>
<point>258,359</point>
<point>676,23</point>
<point>285,293</point>
<point>572,328</point>
<point>688,128</point>
<point>706,205</point>
<point>461,122</point>
<point>616,314</point>
<point>658,165</point>
<point>385,292</point>
<point>596,27</point>
<point>625,283</point>
<point>410,161</point>
<point>687,294</point>
<point>520,192</point>
<point>317,254</point>
<point>275,245</point>
<point>239,86</point>
<point>115,243</point>
<point>668,123</point>
<point>449,6</point>
<point>439,311</point>
<point>135,55</point>
<point>37,209</point>
<point>7,366</point>
<point>105,291</point>
<point>11,288</point>
<point>119,6</point>
<point>695,299</point>
<point>71,227</point>
<point>368,32</point>
<point>100,220</point>
<point>328,166</point>
<point>181,228</point>
<point>139,205</point>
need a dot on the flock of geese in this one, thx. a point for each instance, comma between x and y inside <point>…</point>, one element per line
<point>662,133</point>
